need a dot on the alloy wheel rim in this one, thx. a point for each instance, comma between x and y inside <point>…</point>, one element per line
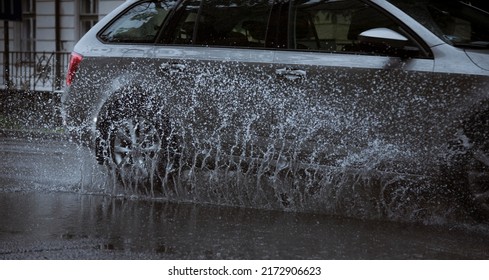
<point>136,145</point>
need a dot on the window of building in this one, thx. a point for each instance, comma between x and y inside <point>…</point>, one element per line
<point>28,26</point>
<point>88,15</point>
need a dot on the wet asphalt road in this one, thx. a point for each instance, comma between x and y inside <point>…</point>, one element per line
<point>52,206</point>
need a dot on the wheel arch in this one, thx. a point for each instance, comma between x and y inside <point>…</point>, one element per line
<point>127,101</point>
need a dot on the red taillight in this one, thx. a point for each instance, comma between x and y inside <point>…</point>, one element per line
<point>75,60</point>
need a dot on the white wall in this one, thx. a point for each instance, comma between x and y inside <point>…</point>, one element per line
<point>68,22</point>
<point>106,6</point>
<point>45,19</point>
<point>45,24</point>
<point>45,27</point>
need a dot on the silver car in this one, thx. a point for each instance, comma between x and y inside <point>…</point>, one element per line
<point>292,98</point>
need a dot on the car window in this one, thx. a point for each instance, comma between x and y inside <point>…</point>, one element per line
<point>221,23</point>
<point>335,26</point>
<point>459,23</point>
<point>140,24</point>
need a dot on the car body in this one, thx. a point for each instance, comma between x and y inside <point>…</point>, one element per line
<point>296,89</point>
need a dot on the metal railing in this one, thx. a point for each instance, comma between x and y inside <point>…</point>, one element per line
<point>34,71</point>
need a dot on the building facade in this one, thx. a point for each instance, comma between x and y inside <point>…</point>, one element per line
<point>43,38</point>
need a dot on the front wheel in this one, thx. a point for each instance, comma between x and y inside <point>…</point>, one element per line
<point>468,172</point>
<point>136,149</point>
<point>478,181</point>
<point>135,146</point>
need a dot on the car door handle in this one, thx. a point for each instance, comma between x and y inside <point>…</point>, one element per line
<point>172,67</point>
<point>291,73</point>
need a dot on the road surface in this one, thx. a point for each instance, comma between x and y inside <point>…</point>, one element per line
<point>53,206</point>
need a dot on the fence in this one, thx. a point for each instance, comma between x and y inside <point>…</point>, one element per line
<point>34,71</point>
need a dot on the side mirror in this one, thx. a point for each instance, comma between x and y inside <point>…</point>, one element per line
<point>383,36</point>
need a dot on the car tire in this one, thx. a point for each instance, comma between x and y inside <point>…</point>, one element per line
<point>469,165</point>
<point>478,182</point>
<point>135,146</point>
<point>476,169</point>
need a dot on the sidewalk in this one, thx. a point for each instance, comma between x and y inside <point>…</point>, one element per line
<point>33,134</point>
<point>30,112</point>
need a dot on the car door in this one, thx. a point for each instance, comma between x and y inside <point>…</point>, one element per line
<point>218,56</point>
<point>356,101</point>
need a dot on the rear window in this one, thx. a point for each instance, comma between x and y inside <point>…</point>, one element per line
<point>138,24</point>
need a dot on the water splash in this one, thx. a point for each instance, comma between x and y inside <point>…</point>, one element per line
<point>324,145</point>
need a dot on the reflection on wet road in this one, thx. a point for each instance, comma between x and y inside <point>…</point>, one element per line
<point>66,225</point>
<point>45,214</point>
<point>47,164</point>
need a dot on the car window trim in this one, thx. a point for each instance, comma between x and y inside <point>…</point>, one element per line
<point>167,21</point>
<point>411,34</point>
<point>160,40</point>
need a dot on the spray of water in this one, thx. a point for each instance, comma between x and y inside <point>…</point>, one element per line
<point>253,142</point>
